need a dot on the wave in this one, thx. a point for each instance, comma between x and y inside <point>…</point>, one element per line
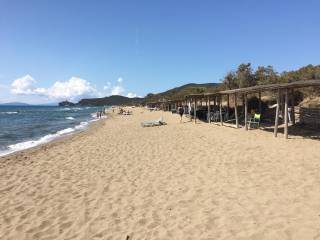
<point>70,118</point>
<point>29,144</point>
<point>9,112</point>
<point>82,125</point>
<point>47,138</point>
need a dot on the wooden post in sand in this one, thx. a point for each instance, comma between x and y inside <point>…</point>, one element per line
<point>220,103</point>
<point>243,103</point>
<point>246,112</point>
<point>236,110</point>
<point>276,121</point>
<point>208,100</point>
<point>286,114</point>
<point>293,117</point>
<point>195,111</point>
<point>228,106</point>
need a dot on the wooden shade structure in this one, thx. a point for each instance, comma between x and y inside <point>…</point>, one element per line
<point>282,88</point>
<point>203,97</point>
<point>286,89</point>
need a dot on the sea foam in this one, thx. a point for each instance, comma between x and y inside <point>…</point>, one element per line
<point>8,112</point>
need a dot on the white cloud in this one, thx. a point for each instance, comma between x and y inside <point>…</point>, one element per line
<point>72,89</point>
<point>23,85</point>
<point>106,87</point>
<point>117,90</point>
<point>131,95</point>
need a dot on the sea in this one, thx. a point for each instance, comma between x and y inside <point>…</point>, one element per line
<point>23,127</point>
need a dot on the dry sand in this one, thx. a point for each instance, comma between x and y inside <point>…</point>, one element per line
<point>180,181</point>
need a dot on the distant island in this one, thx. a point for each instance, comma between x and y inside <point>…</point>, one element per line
<point>20,104</point>
<point>66,104</point>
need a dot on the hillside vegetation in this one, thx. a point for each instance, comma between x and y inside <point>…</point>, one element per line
<point>180,92</point>
<point>246,76</point>
<point>243,76</point>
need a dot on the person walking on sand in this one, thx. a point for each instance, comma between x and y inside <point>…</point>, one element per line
<point>180,111</point>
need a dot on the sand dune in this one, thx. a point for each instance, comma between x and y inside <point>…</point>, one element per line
<point>179,181</point>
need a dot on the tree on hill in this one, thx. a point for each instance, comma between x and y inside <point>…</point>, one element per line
<point>266,75</point>
<point>244,76</point>
<point>230,81</point>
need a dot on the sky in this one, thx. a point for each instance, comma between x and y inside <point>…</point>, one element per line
<point>66,50</point>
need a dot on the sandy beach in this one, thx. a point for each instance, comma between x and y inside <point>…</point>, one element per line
<point>179,181</point>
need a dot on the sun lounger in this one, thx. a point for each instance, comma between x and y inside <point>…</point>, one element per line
<point>255,121</point>
<point>154,123</point>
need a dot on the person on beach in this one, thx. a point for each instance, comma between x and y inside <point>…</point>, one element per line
<point>180,111</point>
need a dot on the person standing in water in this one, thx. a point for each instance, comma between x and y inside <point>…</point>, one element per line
<point>180,111</point>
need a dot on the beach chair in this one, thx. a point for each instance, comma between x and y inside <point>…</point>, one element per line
<point>254,121</point>
<point>154,123</point>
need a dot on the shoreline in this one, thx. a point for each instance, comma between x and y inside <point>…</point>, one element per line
<point>61,137</point>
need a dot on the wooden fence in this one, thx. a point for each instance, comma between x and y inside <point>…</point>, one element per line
<point>310,116</point>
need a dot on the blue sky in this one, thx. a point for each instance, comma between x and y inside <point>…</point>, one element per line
<point>54,50</point>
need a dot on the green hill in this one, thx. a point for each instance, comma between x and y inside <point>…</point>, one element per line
<point>172,94</point>
<point>111,100</point>
<point>180,92</point>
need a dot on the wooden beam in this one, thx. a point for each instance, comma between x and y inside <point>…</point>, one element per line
<point>246,112</point>
<point>276,122</point>
<point>236,110</point>
<point>286,114</point>
<point>220,103</point>
<point>209,120</point>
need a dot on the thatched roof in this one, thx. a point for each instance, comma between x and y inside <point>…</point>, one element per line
<point>202,95</point>
<point>271,87</point>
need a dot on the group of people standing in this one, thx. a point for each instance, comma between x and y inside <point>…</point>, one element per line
<point>101,113</point>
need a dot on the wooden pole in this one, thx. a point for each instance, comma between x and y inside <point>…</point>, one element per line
<point>195,110</point>
<point>260,107</point>
<point>220,103</point>
<point>189,109</point>
<point>293,117</point>
<point>245,112</point>
<point>228,106</point>
<point>243,103</point>
<point>276,121</point>
<point>209,120</point>
<point>286,114</point>
<point>236,110</point>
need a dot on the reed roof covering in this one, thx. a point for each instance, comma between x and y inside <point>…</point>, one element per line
<point>271,87</point>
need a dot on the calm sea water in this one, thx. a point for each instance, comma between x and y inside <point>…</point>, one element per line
<point>28,126</point>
